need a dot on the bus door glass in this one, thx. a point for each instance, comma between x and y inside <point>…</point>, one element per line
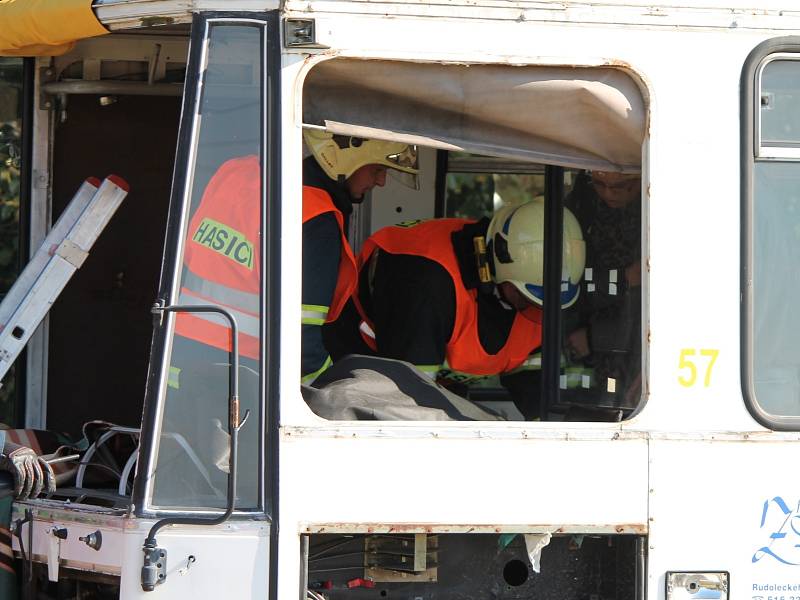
<point>215,239</point>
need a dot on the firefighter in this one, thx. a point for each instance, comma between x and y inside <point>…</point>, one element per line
<point>459,299</point>
<point>222,267</point>
<point>340,172</point>
<point>222,260</point>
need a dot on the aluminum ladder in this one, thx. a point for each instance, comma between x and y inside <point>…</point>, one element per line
<point>61,254</point>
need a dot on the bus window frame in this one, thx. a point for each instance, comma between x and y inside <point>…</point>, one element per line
<point>751,151</point>
<point>270,249</point>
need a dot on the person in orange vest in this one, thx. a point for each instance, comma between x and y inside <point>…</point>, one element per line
<point>340,172</point>
<point>221,258</point>
<point>222,267</point>
<point>459,299</point>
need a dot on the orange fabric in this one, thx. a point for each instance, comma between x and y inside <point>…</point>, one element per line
<point>45,27</point>
<point>231,199</point>
<point>227,223</point>
<point>315,203</point>
<point>432,240</point>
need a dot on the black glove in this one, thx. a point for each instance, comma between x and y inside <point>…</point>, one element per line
<point>31,473</point>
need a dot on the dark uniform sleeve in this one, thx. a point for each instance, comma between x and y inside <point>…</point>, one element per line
<point>322,247</point>
<point>413,309</point>
<point>525,389</point>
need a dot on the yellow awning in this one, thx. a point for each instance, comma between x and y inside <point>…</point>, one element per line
<point>45,27</point>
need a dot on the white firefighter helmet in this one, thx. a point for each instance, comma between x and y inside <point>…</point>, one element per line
<point>516,241</point>
<point>342,155</point>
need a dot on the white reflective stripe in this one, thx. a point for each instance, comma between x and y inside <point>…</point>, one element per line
<point>222,293</point>
<point>248,324</point>
<point>366,330</point>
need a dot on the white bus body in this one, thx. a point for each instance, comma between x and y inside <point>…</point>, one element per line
<point>698,480</point>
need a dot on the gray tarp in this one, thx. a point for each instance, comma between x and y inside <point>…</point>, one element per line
<point>365,388</point>
<point>581,117</point>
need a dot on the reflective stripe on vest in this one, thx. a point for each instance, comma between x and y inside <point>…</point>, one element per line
<point>247,323</point>
<point>308,379</point>
<point>222,294</point>
<point>463,352</point>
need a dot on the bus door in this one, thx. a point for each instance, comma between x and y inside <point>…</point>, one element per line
<point>202,476</point>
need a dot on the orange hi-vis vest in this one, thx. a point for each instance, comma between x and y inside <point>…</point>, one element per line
<point>222,259</point>
<point>316,202</point>
<point>464,352</point>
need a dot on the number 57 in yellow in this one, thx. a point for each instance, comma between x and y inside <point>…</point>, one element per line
<point>686,361</point>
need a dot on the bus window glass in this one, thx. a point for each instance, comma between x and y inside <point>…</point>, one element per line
<point>776,239</point>
<point>776,282</point>
<point>780,95</point>
<point>220,266</point>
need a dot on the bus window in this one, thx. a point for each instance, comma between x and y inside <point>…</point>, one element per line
<point>579,190</point>
<point>775,241</point>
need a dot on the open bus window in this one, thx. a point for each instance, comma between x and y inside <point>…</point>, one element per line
<point>600,359</point>
<point>775,240</point>
<point>510,157</point>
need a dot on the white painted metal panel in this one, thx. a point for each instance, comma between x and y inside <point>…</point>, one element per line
<point>71,551</point>
<point>240,550</point>
<point>464,474</point>
<point>230,561</point>
<point>775,15</point>
<point>464,481</point>
<point>729,506</point>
